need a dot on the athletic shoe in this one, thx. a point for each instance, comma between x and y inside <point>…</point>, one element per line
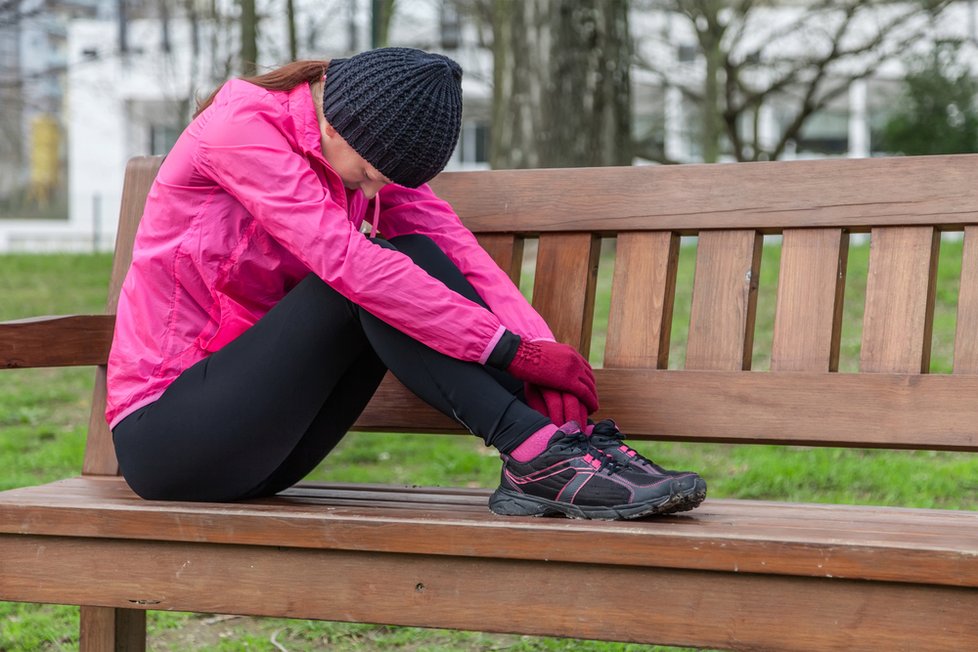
<point>607,438</point>
<point>573,478</point>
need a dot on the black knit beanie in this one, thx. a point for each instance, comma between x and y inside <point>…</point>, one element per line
<point>399,108</point>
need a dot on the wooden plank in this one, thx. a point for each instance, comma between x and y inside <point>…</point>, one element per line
<point>564,284</point>
<point>507,251</point>
<point>872,410</point>
<point>642,297</point>
<point>57,341</point>
<point>99,450</point>
<point>721,321</point>
<point>899,315</point>
<point>140,174</point>
<point>966,337</point>
<point>871,543</point>
<point>849,194</point>
<point>112,630</point>
<point>811,284</point>
<point>730,610</point>
<point>861,410</point>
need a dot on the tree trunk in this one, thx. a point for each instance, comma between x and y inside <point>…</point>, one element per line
<point>562,93</point>
<point>293,37</point>
<point>249,37</point>
<point>711,106</point>
<point>382,13</point>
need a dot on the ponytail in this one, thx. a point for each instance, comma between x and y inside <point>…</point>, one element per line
<point>281,79</point>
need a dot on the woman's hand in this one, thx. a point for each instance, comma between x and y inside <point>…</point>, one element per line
<point>557,366</point>
<point>560,407</point>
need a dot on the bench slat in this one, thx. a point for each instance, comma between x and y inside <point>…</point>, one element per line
<point>140,174</point>
<point>829,409</point>
<point>564,285</point>
<point>966,337</point>
<point>936,412</point>
<point>643,292</point>
<point>900,291</point>
<point>507,251</point>
<point>57,341</point>
<point>849,194</point>
<point>717,610</point>
<point>808,318</point>
<point>721,320</point>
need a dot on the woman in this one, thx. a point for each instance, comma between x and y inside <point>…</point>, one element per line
<point>257,320</point>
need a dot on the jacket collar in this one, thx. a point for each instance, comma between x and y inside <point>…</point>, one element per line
<point>306,122</point>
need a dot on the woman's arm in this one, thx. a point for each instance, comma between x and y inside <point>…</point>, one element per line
<point>419,210</point>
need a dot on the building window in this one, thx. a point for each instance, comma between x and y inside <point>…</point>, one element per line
<point>473,144</point>
<point>162,139</point>
<point>451,26</point>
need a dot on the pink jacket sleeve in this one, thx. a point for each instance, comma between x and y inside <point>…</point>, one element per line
<point>249,156</point>
<point>419,210</point>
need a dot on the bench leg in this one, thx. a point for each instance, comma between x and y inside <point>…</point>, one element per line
<point>104,629</point>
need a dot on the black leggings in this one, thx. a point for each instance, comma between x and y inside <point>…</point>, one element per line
<point>257,416</point>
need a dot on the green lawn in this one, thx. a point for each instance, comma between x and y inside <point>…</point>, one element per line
<point>43,412</point>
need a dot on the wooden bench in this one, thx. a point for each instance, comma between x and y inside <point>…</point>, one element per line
<point>736,574</point>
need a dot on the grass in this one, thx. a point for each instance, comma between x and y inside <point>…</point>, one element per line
<point>43,414</point>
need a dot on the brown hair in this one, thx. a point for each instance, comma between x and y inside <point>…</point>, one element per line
<point>281,79</point>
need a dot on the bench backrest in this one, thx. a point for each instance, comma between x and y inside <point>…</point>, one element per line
<point>892,401</point>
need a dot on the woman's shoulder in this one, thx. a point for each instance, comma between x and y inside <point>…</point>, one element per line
<point>238,93</point>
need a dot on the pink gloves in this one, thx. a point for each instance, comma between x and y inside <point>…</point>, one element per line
<point>555,366</point>
<point>560,407</point>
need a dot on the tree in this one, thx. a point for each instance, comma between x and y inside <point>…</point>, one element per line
<point>561,86</point>
<point>381,16</point>
<point>937,113</point>
<point>800,56</point>
<point>249,37</point>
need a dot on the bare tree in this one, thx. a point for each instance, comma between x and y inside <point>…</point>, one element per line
<point>249,37</point>
<point>381,16</point>
<point>800,55</point>
<point>561,94</point>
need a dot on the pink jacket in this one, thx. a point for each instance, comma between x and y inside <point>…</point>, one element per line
<point>243,208</point>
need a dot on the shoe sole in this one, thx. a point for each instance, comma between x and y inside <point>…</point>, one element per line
<point>691,499</point>
<point>509,503</point>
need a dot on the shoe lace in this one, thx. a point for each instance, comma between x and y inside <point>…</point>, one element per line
<point>579,442</point>
<point>608,434</point>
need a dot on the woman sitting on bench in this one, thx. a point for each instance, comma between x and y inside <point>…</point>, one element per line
<point>257,320</point>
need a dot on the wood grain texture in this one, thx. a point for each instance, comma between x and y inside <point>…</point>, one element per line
<point>140,174</point>
<point>768,196</point>
<point>823,409</point>
<point>966,336</point>
<point>831,409</point>
<point>721,320</point>
<point>811,285</point>
<point>717,610</point>
<point>105,629</point>
<point>867,543</point>
<point>507,251</point>
<point>643,292</point>
<point>564,285</point>
<point>60,341</point>
<point>899,314</point>
<point>100,456</point>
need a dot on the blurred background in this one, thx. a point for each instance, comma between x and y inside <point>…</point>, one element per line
<point>87,84</point>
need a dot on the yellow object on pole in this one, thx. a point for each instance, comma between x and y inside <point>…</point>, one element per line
<point>45,159</point>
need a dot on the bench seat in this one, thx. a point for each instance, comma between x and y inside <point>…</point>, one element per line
<point>342,548</point>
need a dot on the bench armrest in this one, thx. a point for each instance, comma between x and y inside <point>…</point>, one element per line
<point>56,341</point>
